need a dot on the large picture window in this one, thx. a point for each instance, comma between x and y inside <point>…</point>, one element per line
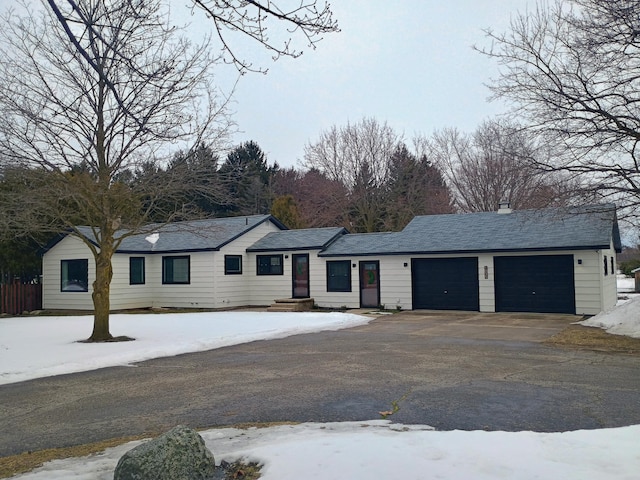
<point>176,270</point>
<point>270,265</point>
<point>233,264</point>
<point>339,276</point>
<point>136,270</point>
<point>74,275</point>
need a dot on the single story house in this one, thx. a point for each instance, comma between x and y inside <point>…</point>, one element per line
<point>550,260</point>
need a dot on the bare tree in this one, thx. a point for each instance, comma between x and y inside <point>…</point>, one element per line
<point>358,156</point>
<point>254,19</point>
<point>78,125</point>
<point>497,163</point>
<point>320,201</point>
<point>570,69</point>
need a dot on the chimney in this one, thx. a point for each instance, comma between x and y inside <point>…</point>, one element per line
<point>504,207</point>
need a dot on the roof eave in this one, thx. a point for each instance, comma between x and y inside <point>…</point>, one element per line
<point>463,252</point>
<point>288,249</point>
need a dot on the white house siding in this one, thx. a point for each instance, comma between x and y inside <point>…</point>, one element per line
<point>266,288</point>
<point>588,277</point>
<point>487,293</point>
<point>69,248</point>
<point>124,295</point>
<point>235,290</point>
<point>198,293</point>
<point>395,282</point>
<point>609,284</point>
<point>394,277</point>
<point>319,284</point>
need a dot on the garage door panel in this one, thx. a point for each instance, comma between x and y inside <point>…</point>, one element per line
<point>536,283</point>
<point>445,283</point>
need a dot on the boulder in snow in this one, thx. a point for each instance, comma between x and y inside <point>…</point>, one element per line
<point>179,454</point>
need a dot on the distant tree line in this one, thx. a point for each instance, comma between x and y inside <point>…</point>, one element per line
<point>362,176</point>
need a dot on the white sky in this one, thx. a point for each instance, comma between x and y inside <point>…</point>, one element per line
<point>409,63</point>
<point>349,450</point>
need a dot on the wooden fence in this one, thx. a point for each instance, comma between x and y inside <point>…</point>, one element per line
<point>16,298</point>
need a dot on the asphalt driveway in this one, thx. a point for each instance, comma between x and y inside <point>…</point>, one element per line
<point>449,370</point>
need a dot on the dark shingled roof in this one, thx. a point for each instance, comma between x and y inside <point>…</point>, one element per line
<point>591,227</point>
<point>190,236</point>
<point>303,239</point>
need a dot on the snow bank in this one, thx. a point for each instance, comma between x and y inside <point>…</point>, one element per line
<point>381,450</point>
<point>622,320</point>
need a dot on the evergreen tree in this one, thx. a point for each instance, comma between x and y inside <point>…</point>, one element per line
<point>415,187</point>
<point>246,179</point>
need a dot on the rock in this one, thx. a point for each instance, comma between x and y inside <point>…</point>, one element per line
<point>179,454</point>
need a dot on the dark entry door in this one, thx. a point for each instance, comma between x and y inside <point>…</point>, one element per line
<point>300,276</point>
<point>445,283</point>
<point>370,284</point>
<point>536,283</point>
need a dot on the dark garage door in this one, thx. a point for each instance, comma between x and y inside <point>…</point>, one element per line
<point>445,283</point>
<point>538,283</point>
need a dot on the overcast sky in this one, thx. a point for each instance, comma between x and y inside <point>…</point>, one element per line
<point>407,62</point>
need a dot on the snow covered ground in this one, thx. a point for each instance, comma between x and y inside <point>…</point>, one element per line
<point>381,450</point>
<point>33,347</point>
<point>625,284</point>
<point>41,346</point>
<point>625,318</point>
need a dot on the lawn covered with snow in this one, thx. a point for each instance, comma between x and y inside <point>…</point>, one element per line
<point>380,450</point>
<point>32,347</point>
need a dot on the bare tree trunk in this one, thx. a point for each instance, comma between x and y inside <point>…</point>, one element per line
<point>101,293</point>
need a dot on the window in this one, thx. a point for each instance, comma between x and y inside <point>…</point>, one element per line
<point>74,275</point>
<point>136,270</point>
<point>606,270</point>
<point>613,266</point>
<point>270,265</point>
<point>233,264</point>
<point>339,276</point>
<point>175,270</point>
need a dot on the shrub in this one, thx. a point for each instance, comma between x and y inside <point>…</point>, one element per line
<point>626,267</point>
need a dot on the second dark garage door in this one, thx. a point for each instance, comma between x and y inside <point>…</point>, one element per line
<point>537,283</point>
<point>445,283</point>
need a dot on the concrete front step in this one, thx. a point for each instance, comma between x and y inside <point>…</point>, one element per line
<point>291,305</point>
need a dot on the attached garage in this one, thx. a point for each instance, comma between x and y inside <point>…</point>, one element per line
<point>535,283</point>
<point>543,260</point>
<point>445,283</point>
